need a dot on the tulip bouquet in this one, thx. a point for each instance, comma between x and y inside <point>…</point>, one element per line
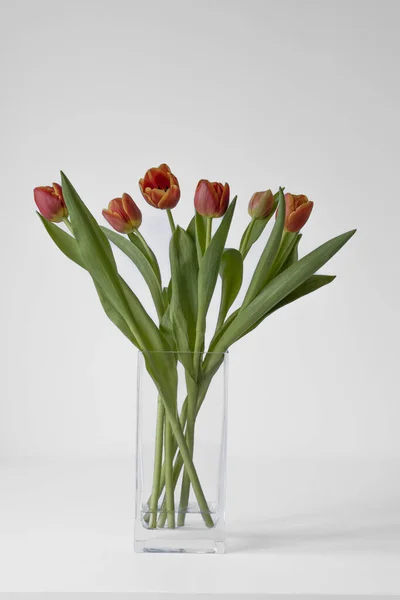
<point>198,256</point>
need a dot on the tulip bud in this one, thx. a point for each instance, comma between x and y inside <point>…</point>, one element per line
<point>50,202</point>
<point>298,210</point>
<point>160,188</point>
<point>123,214</point>
<point>261,204</point>
<point>211,199</point>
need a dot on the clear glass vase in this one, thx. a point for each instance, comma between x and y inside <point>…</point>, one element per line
<point>181,455</point>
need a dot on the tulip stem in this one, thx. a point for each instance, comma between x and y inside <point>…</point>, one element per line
<point>169,485</point>
<point>244,244</point>
<point>171,220</point>
<point>153,504</point>
<point>191,418</point>
<point>182,420</point>
<point>208,231</point>
<point>68,224</point>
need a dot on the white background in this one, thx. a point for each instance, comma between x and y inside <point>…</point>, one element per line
<point>260,94</point>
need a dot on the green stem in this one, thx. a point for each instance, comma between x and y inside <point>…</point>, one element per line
<point>189,466</point>
<point>191,417</point>
<point>145,244</point>
<point>155,494</point>
<point>171,220</point>
<point>243,245</point>
<point>208,231</point>
<point>182,420</point>
<point>68,224</point>
<point>169,487</point>
<point>203,388</point>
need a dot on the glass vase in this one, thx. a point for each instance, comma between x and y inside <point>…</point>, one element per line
<point>181,454</point>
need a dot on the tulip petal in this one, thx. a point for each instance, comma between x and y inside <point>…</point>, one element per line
<point>51,206</point>
<point>171,198</point>
<point>223,205</point>
<point>206,200</point>
<point>299,217</point>
<point>132,211</point>
<point>116,221</point>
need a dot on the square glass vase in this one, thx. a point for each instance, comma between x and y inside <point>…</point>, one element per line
<point>181,452</point>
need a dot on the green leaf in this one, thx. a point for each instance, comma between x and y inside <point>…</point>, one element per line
<point>220,332</point>
<point>231,272</point>
<point>264,266</point>
<point>288,242</point>
<point>280,287</point>
<point>67,244</point>
<point>94,248</point>
<point>293,255</point>
<point>312,284</point>
<point>97,255</point>
<point>191,229</point>
<point>138,241</point>
<point>184,300</point>
<point>209,268</point>
<point>201,226</point>
<point>167,329</point>
<point>166,296</point>
<point>115,316</point>
<point>142,263</point>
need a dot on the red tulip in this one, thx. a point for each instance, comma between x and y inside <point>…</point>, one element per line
<point>261,204</point>
<point>160,188</point>
<point>50,202</point>
<point>123,214</point>
<point>211,199</point>
<point>298,210</point>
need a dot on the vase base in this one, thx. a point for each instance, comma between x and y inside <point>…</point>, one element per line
<point>187,546</point>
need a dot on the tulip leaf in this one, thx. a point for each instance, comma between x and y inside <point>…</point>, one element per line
<point>256,228</point>
<point>191,229</point>
<point>231,272</point>
<point>141,245</point>
<point>293,255</point>
<point>167,329</point>
<point>279,288</point>
<point>288,242</point>
<point>220,332</point>
<point>209,268</point>
<point>184,300</point>
<point>67,244</point>
<point>115,316</point>
<point>142,263</point>
<point>312,284</point>
<point>201,226</point>
<point>98,258</point>
<point>264,266</point>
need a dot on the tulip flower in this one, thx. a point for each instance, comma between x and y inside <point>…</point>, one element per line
<point>298,210</point>
<point>211,199</point>
<point>50,202</point>
<point>123,214</point>
<point>160,188</point>
<point>261,204</point>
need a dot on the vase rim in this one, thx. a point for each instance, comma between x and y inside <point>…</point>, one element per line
<point>182,352</point>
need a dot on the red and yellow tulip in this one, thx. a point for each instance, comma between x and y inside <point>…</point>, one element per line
<point>160,188</point>
<point>211,199</point>
<point>298,210</point>
<point>50,202</point>
<point>123,214</point>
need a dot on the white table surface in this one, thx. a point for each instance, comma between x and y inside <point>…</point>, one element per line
<point>295,527</point>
